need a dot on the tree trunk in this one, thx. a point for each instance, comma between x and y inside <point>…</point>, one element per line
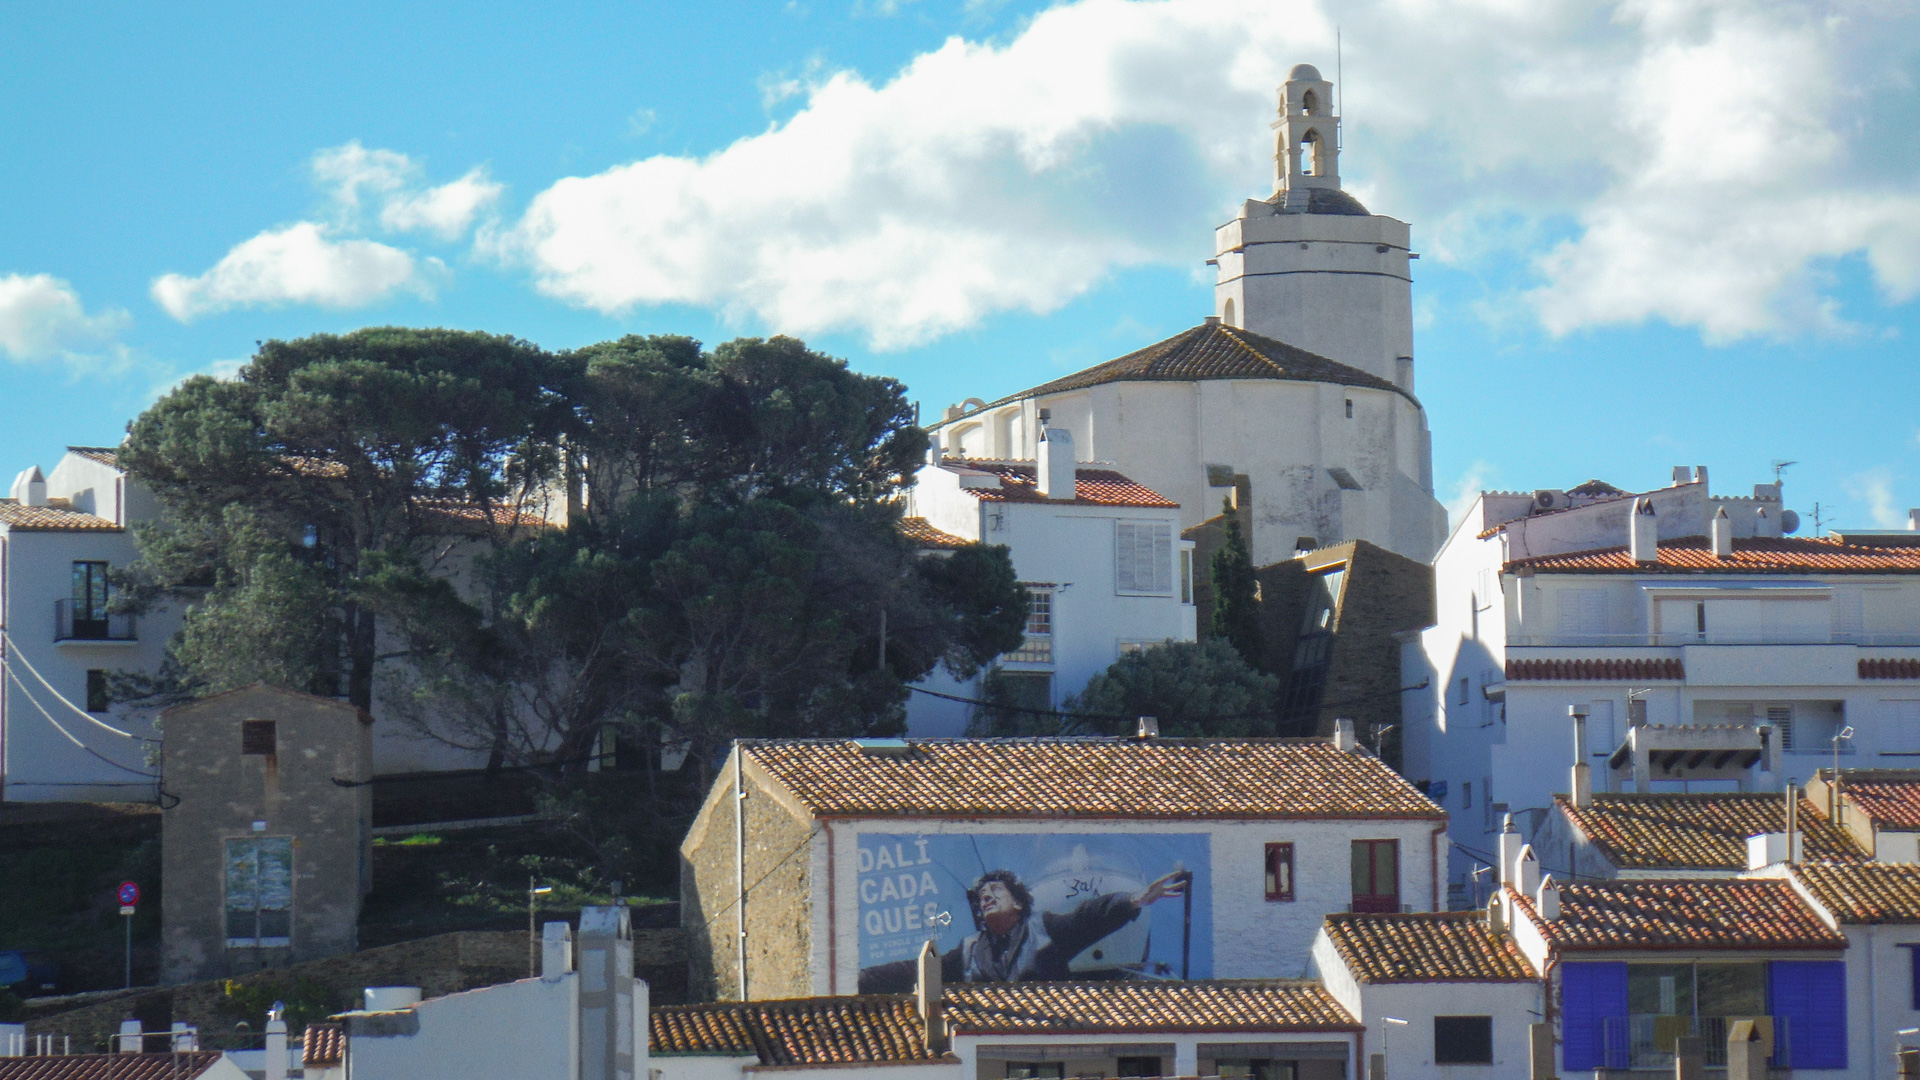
<point>360,656</point>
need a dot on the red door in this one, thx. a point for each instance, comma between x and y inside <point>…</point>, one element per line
<point>1376,875</point>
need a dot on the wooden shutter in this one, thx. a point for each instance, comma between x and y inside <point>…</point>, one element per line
<point>1590,994</point>
<point>1812,996</point>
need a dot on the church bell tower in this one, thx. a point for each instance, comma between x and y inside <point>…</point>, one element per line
<point>1309,265</point>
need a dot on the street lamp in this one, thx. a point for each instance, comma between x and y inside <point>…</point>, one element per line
<point>533,938</point>
<point>1384,1032</point>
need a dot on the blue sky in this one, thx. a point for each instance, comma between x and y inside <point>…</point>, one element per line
<point>1654,232</point>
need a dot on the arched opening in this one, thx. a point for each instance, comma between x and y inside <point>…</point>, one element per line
<point>1226,313</point>
<point>1309,103</point>
<point>1310,154</point>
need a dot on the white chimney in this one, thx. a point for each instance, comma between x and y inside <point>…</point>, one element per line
<point>130,1037</point>
<point>1147,728</point>
<point>1700,477</point>
<point>1510,847</point>
<point>1055,467</point>
<point>1722,527</point>
<point>1913,521</point>
<point>1526,872</point>
<point>1765,849</point>
<point>927,993</point>
<point>1547,900</point>
<point>1681,475</point>
<point>556,951</point>
<point>276,1044</point>
<point>186,1038</point>
<point>1582,772</point>
<point>1343,737</point>
<point>30,487</point>
<point>1643,533</point>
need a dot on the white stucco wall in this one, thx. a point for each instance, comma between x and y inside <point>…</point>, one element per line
<point>524,1030</point>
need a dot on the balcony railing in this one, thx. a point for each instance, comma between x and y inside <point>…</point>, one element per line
<point>1692,637</point>
<point>114,627</point>
<point>1646,1041</point>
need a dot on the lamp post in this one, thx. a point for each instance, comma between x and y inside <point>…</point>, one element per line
<point>1394,1021</point>
<point>533,936</point>
<point>1833,788</point>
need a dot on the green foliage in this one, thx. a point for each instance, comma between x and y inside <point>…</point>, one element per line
<point>12,1008</point>
<point>1194,688</point>
<point>1236,594</point>
<point>307,1000</point>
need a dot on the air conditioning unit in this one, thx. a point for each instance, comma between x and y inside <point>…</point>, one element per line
<point>1551,499</point>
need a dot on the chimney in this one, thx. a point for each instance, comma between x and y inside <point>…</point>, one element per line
<point>926,997</point>
<point>1722,527</point>
<point>1055,467</point>
<point>186,1038</point>
<point>1792,853</point>
<point>130,1040</point>
<point>1147,728</point>
<point>1496,915</point>
<point>1213,320</point>
<point>1643,533</point>
<point>1547,900</point>
<point>30,487</point>
<point>1913,521</point>
<point>556,951</point>
<point>1681,475</point>
<point>1526,872</point>
<point>1582,772</point>
<point>1700,477</point>
<point>1510,847</point>
<point>276,1043</point>
<point>1343,737</point>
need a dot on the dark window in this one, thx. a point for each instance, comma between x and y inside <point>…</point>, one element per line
<point>1349,408</point>
<point>1279,871</point>
<point>260,892</point>
<point>1376,875</point>
<point>98,699</point>
<point>1035,1070</point>
<point>1463,1040</point>
<point>1137,1066</point>
<point>1466,795</point>
<point>257,737</point>
<point>90,596</point>
<point>1256,1069</point>
<point>1913,960</point>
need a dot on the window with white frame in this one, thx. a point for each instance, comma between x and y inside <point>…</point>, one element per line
<point>1900,731</point>
<point>1038,646</point>
<point>1143,558</point>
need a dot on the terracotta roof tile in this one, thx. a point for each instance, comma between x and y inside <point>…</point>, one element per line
<point>104,455</point>
<point>1890,798</point>
<point>1753,555</point>
<point>1865,893</point>
<point>1699,831</point>
<point>1093,778</point>
<point>1211,351</point>
<point>1092,487</point>
<point>1596,670</point>
<point>1120,1007</point>
<point>1423,948</point>
<point>323,1044</point>
<point>1696,915</point>
<point>803,1031</point>
<point>21,518</point>
<point>1889,668</point>
<point>181,1066</point>
<point>925,535</point>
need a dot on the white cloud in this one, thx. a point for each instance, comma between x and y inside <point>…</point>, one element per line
<point>1466,489</point>
<point>1700,161</point>
<point>392,179</point>
<point>1874,489</point>
<point>300,263</point>
<point>445,211</point>
<point>346,169</point>
<point>42,318</point>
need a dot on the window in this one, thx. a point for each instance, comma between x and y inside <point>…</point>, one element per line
<point>1038,647</point>
<point>1463,1040</point>
<point>1465,690</point>
<point>1186,575</point>
<point>1582,613</point>
<point>1486,803</point>
<point>1466,795</point>
<point>1781,717</point>
<point>1349,408</point>
<point>90,595</point>
<point>1255,1069</point>
<point>1901,733</point>
<point>1376,875</point>
<point>1143,557</point>
<point>257,737</point>
<point>1913,966</point>
<point>260,892</point>
<point>99,699</point>
<point>1137,1066</point>
<point>1036,1070</point>
<point>1280,872</point>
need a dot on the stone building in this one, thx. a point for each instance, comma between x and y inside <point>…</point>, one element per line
<point>266,830</point>
<point>1040,859</point>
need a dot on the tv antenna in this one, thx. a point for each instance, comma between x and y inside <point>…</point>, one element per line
<point>1780,466</point>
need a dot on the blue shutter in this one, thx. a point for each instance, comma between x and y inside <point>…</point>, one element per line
<point>1589,994</point>
<point>1812,995</point>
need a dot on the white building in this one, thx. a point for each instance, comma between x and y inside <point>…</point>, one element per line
<point>60,537</point>
<point>1708,651</point>
<point>1301,382</point>
<point>1101,557</point>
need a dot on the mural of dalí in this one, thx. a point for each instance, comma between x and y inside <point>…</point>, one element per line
<point>1004,907</point>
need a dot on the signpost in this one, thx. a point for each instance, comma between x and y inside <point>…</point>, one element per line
<point>129,899</point>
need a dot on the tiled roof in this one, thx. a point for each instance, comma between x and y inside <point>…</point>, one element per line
<point>182,1066</point>
<point>21,518</point>
<point>1596,487</point>
<point>1595,670</point>
<point>804,1031</point>
<point>1454,946</point>
<point>1705,831</point>
<point>925,535</point>
<point>1092,487</point>
<point>1890,798</point>
<point>1752,555</point>
<point>1889,668</point>
<point>1211,351</point>
<point>1093,778</point>
<point>323,1044</point>
<point>1120,1007</point>
<point>455,513</point>
<point>104,455</point>
<point>1865,893</point>
<point>1694,915</point>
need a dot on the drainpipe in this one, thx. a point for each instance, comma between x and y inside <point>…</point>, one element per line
<point>1439,847</point>
<point>740,861</point>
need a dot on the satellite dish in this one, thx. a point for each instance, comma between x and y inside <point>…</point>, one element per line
<point>1789,521</point>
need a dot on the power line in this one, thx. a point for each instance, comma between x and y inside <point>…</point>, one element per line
<point>70,736</point>
<point>1262,714</point>
<point>12,652</point>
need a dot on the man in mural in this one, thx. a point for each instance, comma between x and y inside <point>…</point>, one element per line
<point>1014,943</point>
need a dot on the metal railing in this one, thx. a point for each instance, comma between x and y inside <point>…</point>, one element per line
<point>1694,637</point>
<point>113,627</point>
<point>1645,1041</point>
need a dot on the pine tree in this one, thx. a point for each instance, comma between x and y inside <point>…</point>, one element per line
<point>1236,599</point>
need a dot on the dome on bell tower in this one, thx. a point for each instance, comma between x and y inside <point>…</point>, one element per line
<point>1304,73</point>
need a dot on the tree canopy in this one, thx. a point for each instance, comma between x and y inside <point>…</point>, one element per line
<point>1236,594</point>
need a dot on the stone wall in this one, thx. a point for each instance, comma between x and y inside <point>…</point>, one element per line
<point>779,906</point>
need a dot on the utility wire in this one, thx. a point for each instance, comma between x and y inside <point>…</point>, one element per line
<point>1262,714</point>
<point>12,652</point>
<point>70,736</point>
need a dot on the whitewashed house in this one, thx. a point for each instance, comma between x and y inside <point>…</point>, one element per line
<point>1301,383</point>
<point>61,535</point>
<point>1707,650</point>
<point>1101,557</point>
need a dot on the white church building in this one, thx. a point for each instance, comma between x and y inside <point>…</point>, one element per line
<point>1301,381</point>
